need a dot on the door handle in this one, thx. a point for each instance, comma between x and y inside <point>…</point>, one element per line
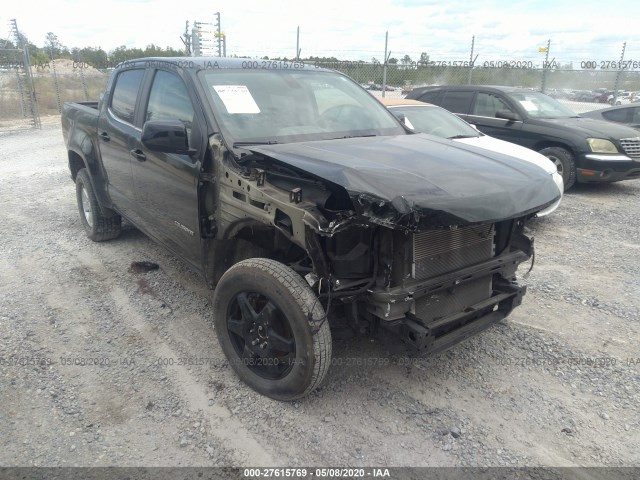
<point>138,155</point>
<point>105,136</point>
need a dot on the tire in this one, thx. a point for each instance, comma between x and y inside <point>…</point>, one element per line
<point>98,223</point>
<point>563,160</point>
<point>261,316</point>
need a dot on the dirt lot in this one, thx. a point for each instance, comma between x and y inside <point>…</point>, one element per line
<point>101,366</point>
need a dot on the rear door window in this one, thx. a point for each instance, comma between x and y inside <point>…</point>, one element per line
<point>125,94</point>
<point>457,101</point>
<point>431,97</point>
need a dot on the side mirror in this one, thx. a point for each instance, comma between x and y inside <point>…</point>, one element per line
<point>400,116</point>
<point>167,136</point>
<point>507,114</point>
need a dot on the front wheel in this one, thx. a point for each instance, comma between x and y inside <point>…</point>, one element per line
<point>563,160</point>
<point>272,329</point>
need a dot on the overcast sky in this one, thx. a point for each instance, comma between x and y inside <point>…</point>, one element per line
<point>509,30</point>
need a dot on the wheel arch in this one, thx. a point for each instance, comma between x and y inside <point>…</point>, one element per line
<point>554,143</point>
<point>245,239</point>
<point>78,161</point>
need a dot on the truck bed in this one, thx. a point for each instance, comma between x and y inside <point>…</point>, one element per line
<point>81,116</point>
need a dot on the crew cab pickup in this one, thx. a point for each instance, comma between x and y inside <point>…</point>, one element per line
<point>303,201</point>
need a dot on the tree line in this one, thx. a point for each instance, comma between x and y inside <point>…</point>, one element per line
<point>97,57</point>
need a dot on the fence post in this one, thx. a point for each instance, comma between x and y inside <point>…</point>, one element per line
<point>471,61</point>
<point>55,81</point>
<point>545,67</point>
<point>619,74</point>
<point>82,79</point>
<point>384,65</point>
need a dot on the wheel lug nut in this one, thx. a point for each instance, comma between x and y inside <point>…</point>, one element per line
<point>255,342</point>
<point>263,345</point>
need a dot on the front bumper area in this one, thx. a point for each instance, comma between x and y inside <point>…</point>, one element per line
<point>445,332</point>
<point>439,332</point>
<point>606,175</point>
<point>597,168</point>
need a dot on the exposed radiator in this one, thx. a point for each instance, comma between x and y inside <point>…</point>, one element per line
<point>440,251</point>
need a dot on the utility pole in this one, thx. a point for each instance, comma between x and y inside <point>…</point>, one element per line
<point>219,33</point>
<point>298,44</point>
<point>195,39</point>
<point>186,40</point>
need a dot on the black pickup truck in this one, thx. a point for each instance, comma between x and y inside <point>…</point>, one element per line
<point>303,201</point>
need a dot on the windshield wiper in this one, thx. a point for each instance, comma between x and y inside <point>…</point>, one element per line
<point>352,136</point>
<point>246,144</point>
<point>456,137</point>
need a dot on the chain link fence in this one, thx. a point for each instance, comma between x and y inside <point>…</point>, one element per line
<point>582,90</point>
<point>53,83</point>
<point>61,80</point>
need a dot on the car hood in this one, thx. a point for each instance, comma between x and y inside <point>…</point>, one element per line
<point>508,148</point>
<point>421,181</point>
<point>591,127</point>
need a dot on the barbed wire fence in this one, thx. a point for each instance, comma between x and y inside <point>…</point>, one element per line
<point>60,80</point>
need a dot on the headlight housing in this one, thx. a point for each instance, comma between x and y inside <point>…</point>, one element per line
<point>600,145</point>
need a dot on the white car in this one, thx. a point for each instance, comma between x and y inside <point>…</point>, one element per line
<point>623,98</point>
<point>433,120</point>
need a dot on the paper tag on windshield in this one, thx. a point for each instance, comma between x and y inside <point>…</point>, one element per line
<point>236,98</point>
<point>528,105</point>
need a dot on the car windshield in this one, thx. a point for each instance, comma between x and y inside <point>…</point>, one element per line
<point>282,106</point>
<point>539,105</point>
<point>435,121</point>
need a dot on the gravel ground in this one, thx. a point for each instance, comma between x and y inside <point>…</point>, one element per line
<point>558,384</point>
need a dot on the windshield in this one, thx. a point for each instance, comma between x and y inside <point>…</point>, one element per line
<point>539,105</point>
<point>279,106</point>
<point>435,121</point>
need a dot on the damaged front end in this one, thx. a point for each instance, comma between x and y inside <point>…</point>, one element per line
<point>428,250</point>
<point>446,285</point>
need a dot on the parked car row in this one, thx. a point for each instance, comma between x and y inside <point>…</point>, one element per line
<point>583,149</point>
<point>599,95</point>
<point>376,87</point>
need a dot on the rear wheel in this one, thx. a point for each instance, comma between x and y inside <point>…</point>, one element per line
<point>99,224</point>
<point>563,160</point>
<point>272,328</point>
